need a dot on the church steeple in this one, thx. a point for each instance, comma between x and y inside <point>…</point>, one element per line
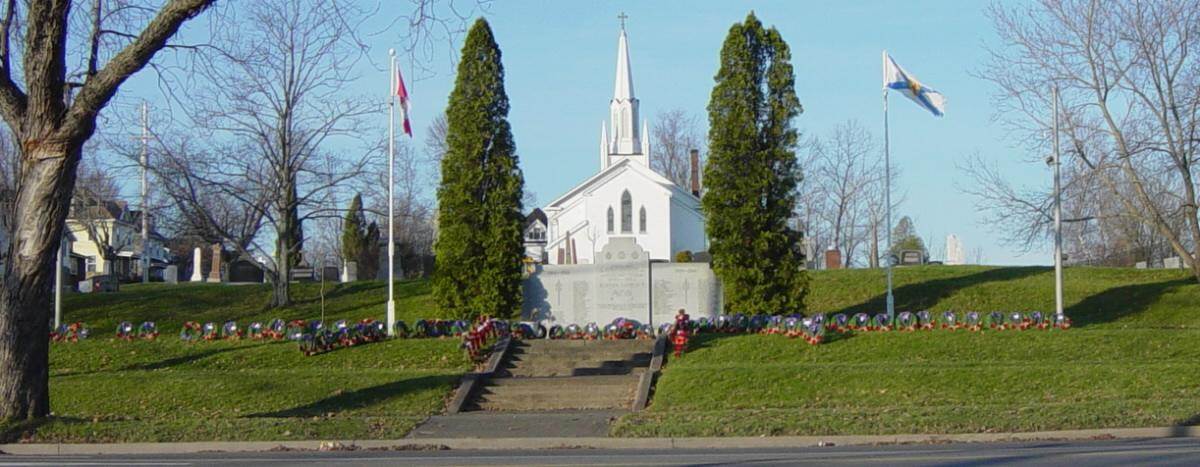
<point>627,135</point>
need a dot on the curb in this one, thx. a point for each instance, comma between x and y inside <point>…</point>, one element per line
<point>472,381</point>
<point>596,443</point>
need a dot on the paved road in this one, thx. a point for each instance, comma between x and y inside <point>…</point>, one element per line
<point>485,424</point>
<point>1179,451</point>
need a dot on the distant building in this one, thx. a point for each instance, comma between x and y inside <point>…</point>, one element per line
<point>108,239</point>
<point>535,236</point>
<point>955,255</point>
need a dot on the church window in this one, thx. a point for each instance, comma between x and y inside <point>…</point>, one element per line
<point>610,220</point>
<point>642,220</point>
<point>626,212</point>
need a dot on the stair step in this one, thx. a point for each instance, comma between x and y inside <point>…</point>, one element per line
<point>586,381</point>
<point>545,375</point>
<point>528,372</point>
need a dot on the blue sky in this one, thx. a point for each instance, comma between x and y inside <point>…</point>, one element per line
<point>559,57</point>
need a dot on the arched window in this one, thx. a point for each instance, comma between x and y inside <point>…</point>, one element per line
<point>642,220</point>
<point>626,212</point>
<point>610,220</point>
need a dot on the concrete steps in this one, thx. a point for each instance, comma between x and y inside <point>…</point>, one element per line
<point>548,375</point>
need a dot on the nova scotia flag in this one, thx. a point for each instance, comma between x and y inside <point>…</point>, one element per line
<point>897,79</point>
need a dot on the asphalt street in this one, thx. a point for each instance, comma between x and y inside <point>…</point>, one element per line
<point>1177,451</point>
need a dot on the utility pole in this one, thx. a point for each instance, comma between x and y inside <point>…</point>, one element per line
<point>1058,254</point>
<point>145,258</point>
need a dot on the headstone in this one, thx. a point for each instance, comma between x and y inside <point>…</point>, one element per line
<point>350,271</point>
<point>197,276</point>
<point>171,274</point>
<point>243,270</point>
<point>1140,265</point>
<point>303,274</point>
<point>911,257</point>
<point>955,255</point>
<point>1172,263</point>
<point>833,258</point>
<point>214,274</point>
<point>329,273</point>
<point>85,286</point>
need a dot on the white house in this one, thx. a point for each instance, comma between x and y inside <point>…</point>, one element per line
<point>108,237</point>
<point>626,198</point>
<point>535,236</point>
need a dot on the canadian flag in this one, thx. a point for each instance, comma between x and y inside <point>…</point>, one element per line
<point>402,95</point>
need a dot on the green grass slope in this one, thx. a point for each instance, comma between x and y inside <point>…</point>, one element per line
<point>108,390</point>
<point>169,306</point>
<point>1131,360</point>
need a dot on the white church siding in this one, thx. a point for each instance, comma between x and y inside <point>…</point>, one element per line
<point>684,220</point>
<point>673,221</point>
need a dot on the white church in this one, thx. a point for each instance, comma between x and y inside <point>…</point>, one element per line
<point>625,199</point>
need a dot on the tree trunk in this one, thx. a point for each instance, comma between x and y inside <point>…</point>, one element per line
<point>281,295</point>
<point>40,210</point>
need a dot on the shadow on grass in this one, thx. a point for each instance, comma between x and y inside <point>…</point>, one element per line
<point>189,358</point>
<point>1119,302</point>
<point>362,398</point>
<point>709,339</point>
<point>926,294</point>
<point>15,431</point>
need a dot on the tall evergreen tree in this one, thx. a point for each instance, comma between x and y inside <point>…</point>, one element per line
<point>752,174</point>
<point>479,247</point>
<point>354,231</point>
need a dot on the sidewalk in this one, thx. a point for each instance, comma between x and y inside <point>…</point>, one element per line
<point>594,443</point>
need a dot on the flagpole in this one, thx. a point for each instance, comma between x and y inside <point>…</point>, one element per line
<point>391,302</point>
<point>887,193</point>
<point>1058,272</point>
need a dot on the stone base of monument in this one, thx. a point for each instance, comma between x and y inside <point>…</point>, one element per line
<point>547,375</point>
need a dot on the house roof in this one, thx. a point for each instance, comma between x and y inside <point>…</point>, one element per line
<point>536,215</point>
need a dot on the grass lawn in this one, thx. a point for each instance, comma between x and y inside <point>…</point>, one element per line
<point>106,390</point>
<point>1132,359</point>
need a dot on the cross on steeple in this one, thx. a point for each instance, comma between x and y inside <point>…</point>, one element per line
<point>622,17</point>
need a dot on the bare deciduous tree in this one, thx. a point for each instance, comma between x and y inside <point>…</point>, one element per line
<point>50,130</point>
<point>842,201</point>
<point>275,97</point>
<point>675,135</point>
<point>1130,110</point>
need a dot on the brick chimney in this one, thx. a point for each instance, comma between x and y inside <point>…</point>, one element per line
<point>695,172</point>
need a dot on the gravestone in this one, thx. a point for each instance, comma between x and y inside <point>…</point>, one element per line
<point>197,259</point>
<point>214,274</point>
<point>912,257</point>
<point>833,258</point>
<point>350,271</point>
<point>1172,263</point>
<point>244,270</point>
<point>329,273</point>
<point>1140,265</point>
<point>171,274</point>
